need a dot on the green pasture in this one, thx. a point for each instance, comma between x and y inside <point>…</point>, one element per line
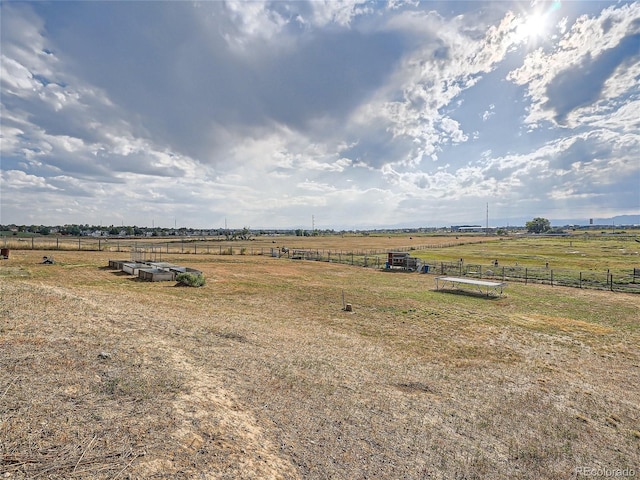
<point>619,254</point>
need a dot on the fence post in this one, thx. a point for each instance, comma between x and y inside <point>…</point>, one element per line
<point>195,249</point>
<point>79,244</point>
<point>99,245</point>
<point>526,275</point>
<point>552,278</point>
<point>580,279</point>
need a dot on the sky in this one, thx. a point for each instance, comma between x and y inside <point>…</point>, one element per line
<point>328,114</point>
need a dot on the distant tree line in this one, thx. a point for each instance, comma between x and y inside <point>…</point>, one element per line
<point>78,230</point>
<point>537,225</point>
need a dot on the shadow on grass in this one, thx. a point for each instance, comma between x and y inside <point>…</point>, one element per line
<point>120,273</point>
<point>107,267</point>
<point>470,293</point>
<point>396,270</point>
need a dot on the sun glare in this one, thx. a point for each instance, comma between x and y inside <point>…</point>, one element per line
<point>532,27</point>
<point>536,25</point>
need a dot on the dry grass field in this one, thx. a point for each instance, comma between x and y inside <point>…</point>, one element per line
<point>261,374</point>
<point>257,245</point>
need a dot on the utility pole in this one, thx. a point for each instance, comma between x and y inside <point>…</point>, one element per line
<point>486,231</point>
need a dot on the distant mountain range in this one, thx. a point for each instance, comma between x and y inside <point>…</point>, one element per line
<point>516,222</point>
<point>560,222</point>
<point>617,220</point>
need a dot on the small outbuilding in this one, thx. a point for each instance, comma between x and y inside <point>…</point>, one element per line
<point>401,260</point>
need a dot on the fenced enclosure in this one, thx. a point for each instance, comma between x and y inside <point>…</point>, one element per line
<point>261,245</point>
<point>155,248</point>
<point>152,249</point>
<point>621,281</point>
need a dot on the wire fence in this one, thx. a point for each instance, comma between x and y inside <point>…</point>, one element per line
<point>620,280</point>
<point>189,245</point>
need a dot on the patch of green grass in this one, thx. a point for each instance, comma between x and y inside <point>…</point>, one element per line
<point>14,272</point>
<point>581,254</point>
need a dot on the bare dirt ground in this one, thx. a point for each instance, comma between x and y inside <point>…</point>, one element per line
<point>261,374</point>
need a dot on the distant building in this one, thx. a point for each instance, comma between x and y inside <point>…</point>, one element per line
<point>472,229</point>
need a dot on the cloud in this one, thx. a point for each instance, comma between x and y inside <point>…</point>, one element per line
<point>359,113</point>
<point>575,74</point>
<point>591,75</point>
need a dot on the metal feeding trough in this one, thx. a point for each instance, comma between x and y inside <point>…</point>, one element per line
<point>155,275</point>
<point>133,268</point>
<point>117,264</point>
<point>162,265</point>
<point>152,271</point>
<point>176,270</point>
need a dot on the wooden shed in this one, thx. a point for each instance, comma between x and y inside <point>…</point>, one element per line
<point>401,260</point>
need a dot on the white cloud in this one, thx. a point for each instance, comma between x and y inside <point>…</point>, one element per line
<point>430,78</point>
<point>254,21</point>
<point>16,180</point>
<point>574,58</point>
<point>340,12</point>
<point>488,113</point>
<point>16,77</point>
<point>265,113</point>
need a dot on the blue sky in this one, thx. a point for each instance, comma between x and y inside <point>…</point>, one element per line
<point>357,114</point>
